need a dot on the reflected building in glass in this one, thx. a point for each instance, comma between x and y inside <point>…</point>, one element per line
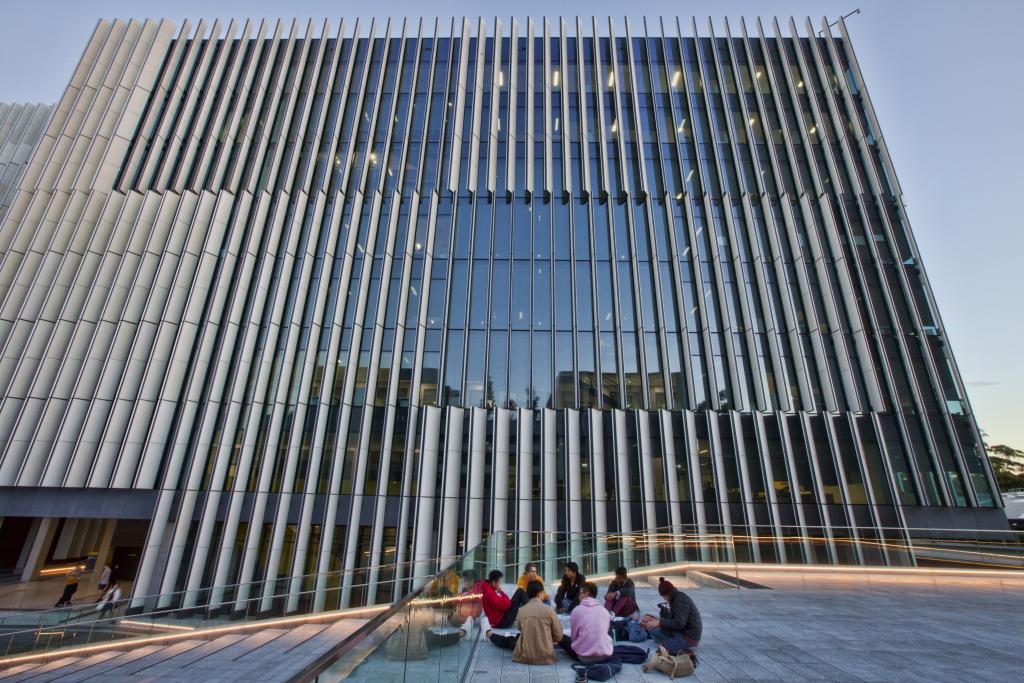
<point>307,298</point>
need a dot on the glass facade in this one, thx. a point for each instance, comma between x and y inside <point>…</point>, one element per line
<point>353,298</point>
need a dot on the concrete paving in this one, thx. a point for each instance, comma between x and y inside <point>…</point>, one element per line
<point>808,627</point>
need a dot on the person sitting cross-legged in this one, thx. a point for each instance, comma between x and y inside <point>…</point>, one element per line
<point>620,599</point>
<point>568,595</point>
<point>539,631</point>
<point>590,641</point>
<point>679,628</point>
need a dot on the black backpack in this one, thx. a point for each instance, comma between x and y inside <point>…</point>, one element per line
<point>630,654</point>
<point>601,671</point>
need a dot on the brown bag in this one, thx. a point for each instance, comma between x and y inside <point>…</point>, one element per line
<point>673,666</point>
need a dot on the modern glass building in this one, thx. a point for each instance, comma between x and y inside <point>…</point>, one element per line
<point>278,299</point>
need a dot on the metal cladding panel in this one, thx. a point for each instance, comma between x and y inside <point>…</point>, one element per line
<point>342,297</point>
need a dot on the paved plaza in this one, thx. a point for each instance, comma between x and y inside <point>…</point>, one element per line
<point>815,627</point>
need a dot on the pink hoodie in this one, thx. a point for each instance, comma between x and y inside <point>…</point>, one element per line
<point>590,624</point>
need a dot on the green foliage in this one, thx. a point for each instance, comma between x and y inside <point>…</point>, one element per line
<point>1008,465</point>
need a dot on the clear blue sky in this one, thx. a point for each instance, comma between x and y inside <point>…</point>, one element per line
<point>945,78</point>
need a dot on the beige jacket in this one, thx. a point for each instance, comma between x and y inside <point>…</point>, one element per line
<point>540,630</point>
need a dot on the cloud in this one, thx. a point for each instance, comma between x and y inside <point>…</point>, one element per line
<point>983,383</point>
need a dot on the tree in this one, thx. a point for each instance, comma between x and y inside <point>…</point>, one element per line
<point>1008,465</point>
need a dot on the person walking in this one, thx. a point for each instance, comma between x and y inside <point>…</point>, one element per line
<point>108,602</point>
<point>69,587</point>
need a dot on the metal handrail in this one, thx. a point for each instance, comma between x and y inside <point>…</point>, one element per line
<point>668,536</point>
<point>162,597</point>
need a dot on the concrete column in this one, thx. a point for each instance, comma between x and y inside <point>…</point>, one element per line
<point>104,546</point>
<point>92,540</point>
<point>67,534</point>
<point>79,542</point>
<point>40,543</point>
<point>27,547</point>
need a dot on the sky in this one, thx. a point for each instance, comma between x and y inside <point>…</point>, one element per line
<point>944,78</point>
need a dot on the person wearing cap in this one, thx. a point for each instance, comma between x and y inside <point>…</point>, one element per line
<point>620,599</point>
<point>679,626</point>
<point>568,595</point>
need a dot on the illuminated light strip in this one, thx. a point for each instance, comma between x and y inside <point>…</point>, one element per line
<point>643,540</point>
<point>845,569</point>
<point>169,637</point>
<point>169,627</point>
<point>53,571</point>
<point>466,597</point>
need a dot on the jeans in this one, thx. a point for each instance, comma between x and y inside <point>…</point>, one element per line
<point>65,598</point>
<point>508,620</point>
<point>509,643</point>
<point>674,641</point>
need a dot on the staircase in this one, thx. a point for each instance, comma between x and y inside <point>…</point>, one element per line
<point>272,654</point>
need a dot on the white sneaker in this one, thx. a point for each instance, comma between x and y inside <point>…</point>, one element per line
<point>485,625</point>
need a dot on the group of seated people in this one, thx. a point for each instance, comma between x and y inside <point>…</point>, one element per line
<point>531,611</point>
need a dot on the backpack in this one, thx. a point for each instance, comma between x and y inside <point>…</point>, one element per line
<point>630,654</point>
<point>636,632</point>
<point>673,666</point>
<point>621,629</point>
<point>601,671</point>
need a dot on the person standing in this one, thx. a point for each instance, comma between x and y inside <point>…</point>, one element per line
<point>104,577</point>
<point>590,641</point>
<point>69,587</point>
<point>568,595</point>
<point>620,599</point>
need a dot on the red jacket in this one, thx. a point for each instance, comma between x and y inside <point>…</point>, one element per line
<point>495,602</point>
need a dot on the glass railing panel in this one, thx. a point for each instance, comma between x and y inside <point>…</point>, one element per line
<point>435,601</point>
